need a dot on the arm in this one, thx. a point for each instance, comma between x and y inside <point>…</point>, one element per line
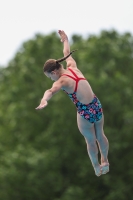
<point>66,49</point>
<point>48,94</point>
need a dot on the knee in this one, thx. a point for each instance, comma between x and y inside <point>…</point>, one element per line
<point>99,138</point>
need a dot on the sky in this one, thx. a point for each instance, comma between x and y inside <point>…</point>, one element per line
<point>21,20</point>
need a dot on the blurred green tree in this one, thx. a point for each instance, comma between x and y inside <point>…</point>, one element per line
<point>42,153</point>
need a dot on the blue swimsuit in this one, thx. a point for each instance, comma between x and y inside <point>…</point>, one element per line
<point>92,111</point>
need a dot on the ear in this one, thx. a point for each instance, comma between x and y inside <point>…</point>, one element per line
<point>53,72</point>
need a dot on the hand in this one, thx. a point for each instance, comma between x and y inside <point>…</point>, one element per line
<point>62,35</point>
<point>42,105</point>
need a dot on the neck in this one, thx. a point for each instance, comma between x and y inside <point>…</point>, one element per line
<point>61,71</point>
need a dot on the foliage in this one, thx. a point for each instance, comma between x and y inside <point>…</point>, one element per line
<point>42,153</point>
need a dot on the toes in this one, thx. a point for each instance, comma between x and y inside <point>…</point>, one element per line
<point>98,174</point>
<point>98,171</point>
<point>105,169</point>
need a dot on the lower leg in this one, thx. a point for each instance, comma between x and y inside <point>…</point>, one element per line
<point>103,147</point>
<point>93,154</point>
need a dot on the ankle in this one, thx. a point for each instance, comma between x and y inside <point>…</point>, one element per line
<point>104,160</point>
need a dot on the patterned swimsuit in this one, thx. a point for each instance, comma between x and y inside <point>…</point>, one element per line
<point>92,111</point>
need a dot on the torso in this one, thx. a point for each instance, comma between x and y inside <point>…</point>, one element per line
<point>87,104</point>
<point>84,91</point>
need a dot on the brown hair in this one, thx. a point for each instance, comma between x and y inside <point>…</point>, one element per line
<point>52,64</point>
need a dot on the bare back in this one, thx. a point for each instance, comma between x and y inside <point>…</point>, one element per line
<point>84,91</point>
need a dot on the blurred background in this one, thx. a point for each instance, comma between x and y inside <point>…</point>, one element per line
<point>42,154</point>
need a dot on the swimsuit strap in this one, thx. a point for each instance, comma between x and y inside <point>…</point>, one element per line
<point>75,75</point>
<point>69,76</point>
<point>76,78</point>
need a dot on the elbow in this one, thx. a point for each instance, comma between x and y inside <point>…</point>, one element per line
<point>50,92</point>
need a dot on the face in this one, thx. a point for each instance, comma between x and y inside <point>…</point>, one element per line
<point>53,75</point>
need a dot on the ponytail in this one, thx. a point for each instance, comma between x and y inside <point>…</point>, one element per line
<point>52,64</point>
<point>62,59</point>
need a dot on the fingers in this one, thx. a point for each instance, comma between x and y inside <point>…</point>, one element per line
<point>60,31</point>
<point>41,107</point>
<point>62,35</point>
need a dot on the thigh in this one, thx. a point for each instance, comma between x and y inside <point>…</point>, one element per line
<point>86,128</point>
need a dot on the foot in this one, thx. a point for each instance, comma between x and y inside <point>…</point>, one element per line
<point>98,170</point>
<point>105,167</point>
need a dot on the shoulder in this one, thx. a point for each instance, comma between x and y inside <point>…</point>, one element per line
<point>61,81</point>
